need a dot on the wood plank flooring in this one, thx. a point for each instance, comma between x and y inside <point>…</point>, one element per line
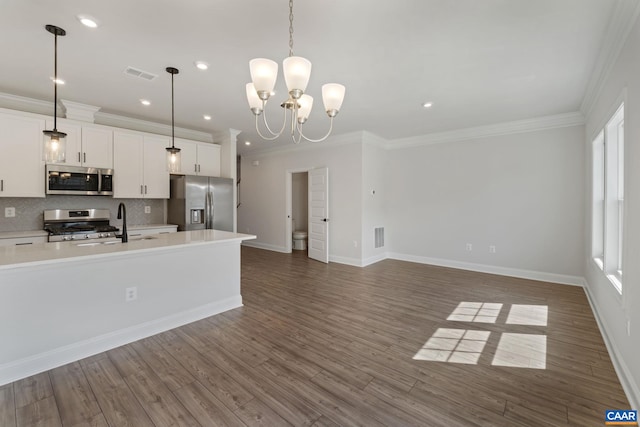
<point>334,345</point>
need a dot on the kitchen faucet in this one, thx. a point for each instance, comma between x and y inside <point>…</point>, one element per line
<point>122,214</point>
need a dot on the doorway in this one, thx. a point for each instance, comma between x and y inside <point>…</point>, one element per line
<point>307,209</point>
<point>299,209</point>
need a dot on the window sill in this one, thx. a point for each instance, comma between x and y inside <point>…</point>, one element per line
<point>616,281</point>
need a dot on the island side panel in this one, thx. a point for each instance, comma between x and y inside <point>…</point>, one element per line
<point>54,314</point>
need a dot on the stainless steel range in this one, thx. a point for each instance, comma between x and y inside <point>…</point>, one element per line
<point>80,224</point>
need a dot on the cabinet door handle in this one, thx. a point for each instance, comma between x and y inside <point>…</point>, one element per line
<point>84,157</point>
<point>195,167</point>
<point>141,192</point>
<point>145,189</point>
<point>1,184</point>
<point>78,157</point>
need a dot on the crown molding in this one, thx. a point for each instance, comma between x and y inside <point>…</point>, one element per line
<point>78,111</point>
<point>622,20</point>
<point>22,103</point>
<point>115,120</point>
<point>334,141</point>
<point>506,128</point>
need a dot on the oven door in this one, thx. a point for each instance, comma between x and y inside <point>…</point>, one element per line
<point>73,180</point>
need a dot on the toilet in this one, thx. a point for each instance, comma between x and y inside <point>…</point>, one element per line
<point>299,240</point>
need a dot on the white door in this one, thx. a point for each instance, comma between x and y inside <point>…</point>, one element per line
<point>319,214</point>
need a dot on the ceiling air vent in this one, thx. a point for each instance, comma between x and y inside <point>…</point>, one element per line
<point>135,72</point>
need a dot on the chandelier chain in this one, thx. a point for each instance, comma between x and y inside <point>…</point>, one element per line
<point>290,27</point>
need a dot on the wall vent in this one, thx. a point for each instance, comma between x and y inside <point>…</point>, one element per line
<point>135,72</point>
<point>378,237</point>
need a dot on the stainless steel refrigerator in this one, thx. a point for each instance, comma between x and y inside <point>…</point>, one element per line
<point>200,202</point>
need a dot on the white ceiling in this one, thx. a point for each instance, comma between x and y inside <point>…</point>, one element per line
<point>479,61</point>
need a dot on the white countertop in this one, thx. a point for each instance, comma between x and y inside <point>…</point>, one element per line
<point>47,253</point>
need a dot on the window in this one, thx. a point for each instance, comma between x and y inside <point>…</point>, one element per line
<point>608,198</point>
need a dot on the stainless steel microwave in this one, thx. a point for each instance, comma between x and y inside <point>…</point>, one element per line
<point>75,180</point>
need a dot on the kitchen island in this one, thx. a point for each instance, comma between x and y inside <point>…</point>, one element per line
<point>61,302</point>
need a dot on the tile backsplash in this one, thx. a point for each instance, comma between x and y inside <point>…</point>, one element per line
<point>29,210</point>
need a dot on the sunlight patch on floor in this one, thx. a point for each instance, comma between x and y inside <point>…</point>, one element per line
<point>454,346</point>
<point>534,315</point>
<point>480,312</point>
<point>521,351</point>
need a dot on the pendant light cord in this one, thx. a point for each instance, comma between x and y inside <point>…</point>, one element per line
<point>173,128</point>
<point>290,27</point>
<point>55,82</point>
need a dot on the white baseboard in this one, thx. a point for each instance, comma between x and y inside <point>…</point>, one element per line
<point>32,365</point>
<point>345,260</point>
<point>492,269</point>
<point>630,387</point>
<point>374,259</point>
<point>265,246</point>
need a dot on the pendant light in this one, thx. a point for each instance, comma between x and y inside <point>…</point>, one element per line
<point>54,140</point>
<point>173,153</point>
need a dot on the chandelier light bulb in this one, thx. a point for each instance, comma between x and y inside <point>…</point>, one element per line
<point>297,71</point>
<point>332,97</point>
<point>264,73</point>
<point>255,103</point>
<point>306,103</point>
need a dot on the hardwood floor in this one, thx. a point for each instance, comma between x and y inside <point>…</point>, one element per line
<point>333,345</point>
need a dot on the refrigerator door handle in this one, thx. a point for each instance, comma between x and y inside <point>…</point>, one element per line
<point>209,210</point>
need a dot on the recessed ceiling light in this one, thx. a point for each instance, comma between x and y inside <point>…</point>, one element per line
<point>145,102</point>
<point>57,81</point>
<point>201,65</point>
<point>427,104</point>
<point>88,21</point>
<point>247,143</point>
<point>206,117</point>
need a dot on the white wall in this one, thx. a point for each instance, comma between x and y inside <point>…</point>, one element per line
<point>522,193</point>
<point>613,309</point>
<point>263,210</point>
<point>374,175</point>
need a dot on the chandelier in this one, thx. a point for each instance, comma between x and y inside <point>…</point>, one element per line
<point>297,71</point>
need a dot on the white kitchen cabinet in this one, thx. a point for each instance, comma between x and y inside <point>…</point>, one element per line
<point>199,158</point>
<point>23,241</point>
<point>139,166</point>
<point>156,176</point>
<point>21,162</point>
<point>87,145</point>
<point>97,147</point>
<point>139,232</point>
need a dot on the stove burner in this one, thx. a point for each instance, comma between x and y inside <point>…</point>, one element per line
<point>65,225</point>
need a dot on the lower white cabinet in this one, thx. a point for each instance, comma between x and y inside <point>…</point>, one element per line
<point>23,241</point>
<point>21,162</point>
<point>139,166</point>
<point>141,232</point>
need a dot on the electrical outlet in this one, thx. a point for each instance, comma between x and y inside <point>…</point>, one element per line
<point>469,247</point>
<point>131,294</point>
<point>147,209</point>
<point>492,249</point>
<point>9,212</point>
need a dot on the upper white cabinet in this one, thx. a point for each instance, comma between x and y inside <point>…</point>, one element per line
<point>97,147</point>
<point>199,158</point>
<point>139,166</point>
<point>21,162</point>
<point>87,145</point>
